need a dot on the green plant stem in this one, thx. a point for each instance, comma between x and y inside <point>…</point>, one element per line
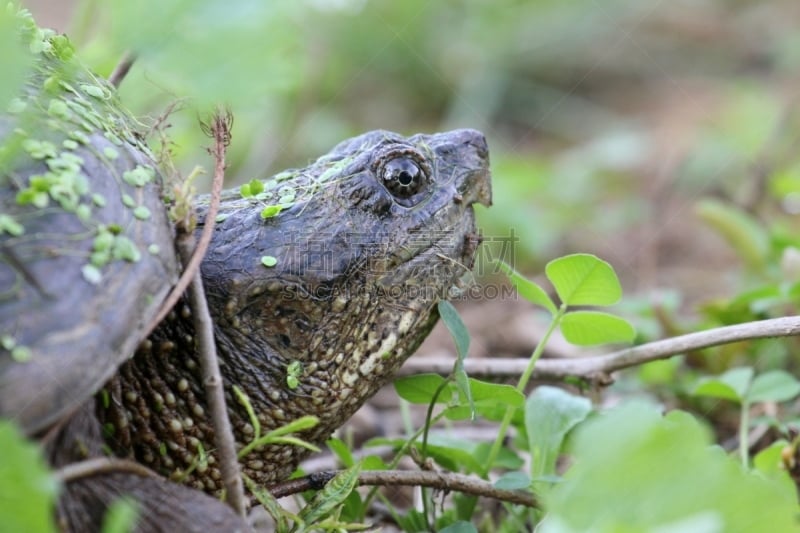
<point>405,416</point>
<point>523,382</point>
<point>429,416</point>
<point>744,423</point>
<point>399,455</point>
<point>426,427</point>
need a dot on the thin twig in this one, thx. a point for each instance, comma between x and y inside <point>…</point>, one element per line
<point>219,128</point>
<point>600,366</point>
<point>122,69</point>
<point>445,481</point>
<point>100,465</point>
<point>212,382</point>
<point>221,125</point>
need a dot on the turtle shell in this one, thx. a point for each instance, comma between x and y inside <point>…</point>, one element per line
<point>86,245</point>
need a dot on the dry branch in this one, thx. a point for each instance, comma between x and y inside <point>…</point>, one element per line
<point>221,134</point>
<point>212,382</point>
<point>445,481</point>
<point>100,465</point>
<point>598,368</point>
<point>122,69</point>
<point>219,128</point>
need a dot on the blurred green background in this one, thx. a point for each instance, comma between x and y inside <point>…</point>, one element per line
<point>608,121</point>
<point>663,136</point>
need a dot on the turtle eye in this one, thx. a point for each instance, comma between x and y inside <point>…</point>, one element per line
<point>403,177</point>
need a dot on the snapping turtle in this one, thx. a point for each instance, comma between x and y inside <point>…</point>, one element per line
<point>321,281</point>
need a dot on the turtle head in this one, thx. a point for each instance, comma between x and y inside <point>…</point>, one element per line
<point>328,279</point>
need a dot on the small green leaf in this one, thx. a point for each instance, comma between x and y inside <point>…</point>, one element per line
<point>336,490</point>
<point>454,454</point>
<point>58,109</point>
<point>256,187</point>
<point>769,462</point>
<point>486,398</point>
<point>114,138</point>
<point>244,190</point>
<point>461,526</point>
<point>513,481</point>
<point>103,241</point>
<point>124,248</point>
<point>773,386</point>
<point>110,152</point>
<point>455,325</point>
<point>731,385</point>
<point>80,137</point>
<point>128,201</point>
<point>293,372</point>
<point>83,212</point>
<point>271,211</point>
<point>420,388</point>
<point>550,413</point>
<point>484,392</point>
<point>139,176</point>
<point>270,503</point>
<point>91,274</point>
<point>334,169</point>
<point>586,328</point>
<point>7,342</point>
<point>120,516</point>
<point>39,149</point>
<point>584,279</point>
<point>27,489</point>
<point>100,259</point>
<point>244,401</point>
<point>459,412</point>
<point>33,197</point>
<point>373,462</point>
<point>462,384</point>
<point>304,422</point>
<point>279,435</point>
<point>141,212</point>
<point>221,217</point>
<point>460,335</point>
<point>281,516</point>
<point>340,449</point>
<point>21,354</point>
<point>528,289</point>
<point>10,226</point>
<point>93,90</point>
<point>268,261</point>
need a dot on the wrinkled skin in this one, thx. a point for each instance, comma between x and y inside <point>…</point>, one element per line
<point>352,295</point>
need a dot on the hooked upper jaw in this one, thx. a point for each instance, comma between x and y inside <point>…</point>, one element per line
<point>467,152</point>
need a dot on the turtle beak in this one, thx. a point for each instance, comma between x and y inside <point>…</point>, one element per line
<point>475,186</point>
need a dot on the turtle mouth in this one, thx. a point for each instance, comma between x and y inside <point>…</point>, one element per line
<point>439,256</point>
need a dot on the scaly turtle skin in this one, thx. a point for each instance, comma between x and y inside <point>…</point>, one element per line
<point>320,286</point>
